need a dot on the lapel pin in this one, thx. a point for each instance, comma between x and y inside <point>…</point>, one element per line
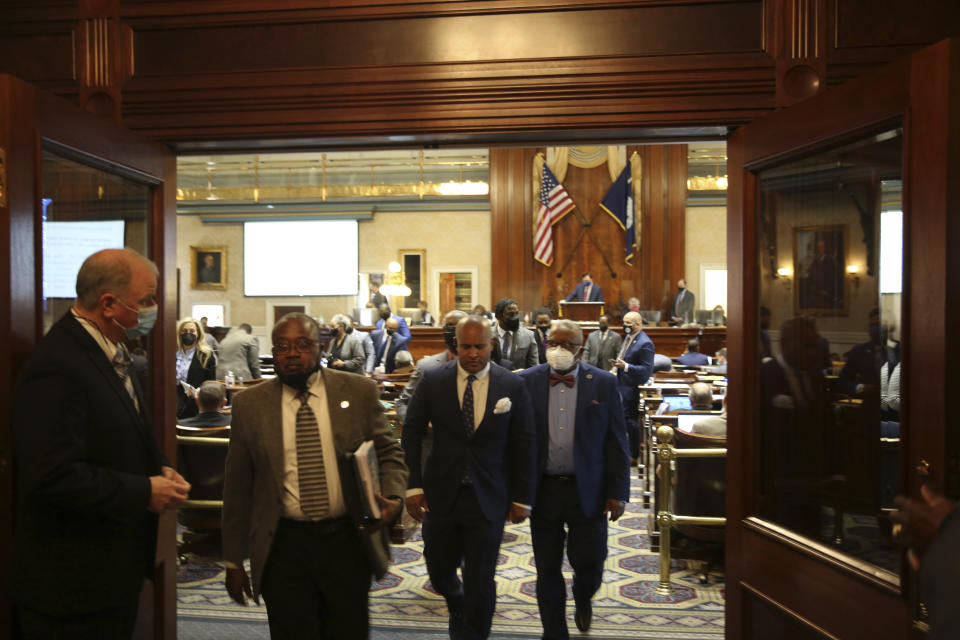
<point>344,404</point>
<point>589,376</point>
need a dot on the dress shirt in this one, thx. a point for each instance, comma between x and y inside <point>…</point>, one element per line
<point>562,417</point>
<point>586,292</point>
<point>502,334</point>
<point>480,387</point>
<point>289,405</point>
<point>387,341</point>
<point>184,358</point>
<point>110,350</point>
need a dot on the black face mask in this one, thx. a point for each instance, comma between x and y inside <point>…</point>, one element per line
<point>603,327</point>
<point>188,339</point>
<point>297,381</point>
<point>511,324</point>
<point>385,315</point>
<point>450,338</point>
<point>349,329</point>
<point>544,328</point>
<point>389,332</point>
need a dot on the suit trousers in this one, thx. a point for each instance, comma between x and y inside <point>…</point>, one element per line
<point>464,538</point>
<point>116,623</point>
<point>316,582</point>
<point>558,504</point>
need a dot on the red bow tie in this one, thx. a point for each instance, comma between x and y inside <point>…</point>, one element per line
<point>556,378</point>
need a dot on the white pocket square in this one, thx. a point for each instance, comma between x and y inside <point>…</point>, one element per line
<point>503,405</point>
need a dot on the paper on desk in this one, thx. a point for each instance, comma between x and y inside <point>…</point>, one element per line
<point>188,389</point>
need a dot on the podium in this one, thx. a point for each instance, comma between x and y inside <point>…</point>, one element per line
<point>581,311</point>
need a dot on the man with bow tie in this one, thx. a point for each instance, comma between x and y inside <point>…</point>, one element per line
<point>583,474</point>
<point>480,472</point>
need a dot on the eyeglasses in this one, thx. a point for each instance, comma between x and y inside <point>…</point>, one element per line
<point>569,346</point>
<point>303,345</point>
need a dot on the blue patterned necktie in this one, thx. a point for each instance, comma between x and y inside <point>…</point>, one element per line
<point>466,408</point>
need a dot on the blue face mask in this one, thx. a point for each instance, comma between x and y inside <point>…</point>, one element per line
<point>146,318</point>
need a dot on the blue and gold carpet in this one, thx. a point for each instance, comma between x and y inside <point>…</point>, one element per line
<point>403,604</point>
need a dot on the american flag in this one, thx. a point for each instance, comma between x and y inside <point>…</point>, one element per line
<point>555,203</point>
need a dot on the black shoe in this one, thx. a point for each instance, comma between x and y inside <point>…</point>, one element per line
<point>455,624</point>
<point>583,616</point>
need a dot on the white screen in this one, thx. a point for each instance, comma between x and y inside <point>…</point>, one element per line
<point>300,258</point>
<point>67,244</point>
<point>891,252</point>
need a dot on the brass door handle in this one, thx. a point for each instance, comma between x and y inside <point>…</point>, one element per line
<point>923,469</point>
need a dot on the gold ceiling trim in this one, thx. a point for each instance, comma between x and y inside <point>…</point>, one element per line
<point>320,192</point>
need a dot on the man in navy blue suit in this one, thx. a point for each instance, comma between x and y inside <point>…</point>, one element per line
<point>386,314</point>
<point>633,367</point>
<point>480,472</point>
<point>583,472</point>
<point>586,291</point>
<point>386,343</point>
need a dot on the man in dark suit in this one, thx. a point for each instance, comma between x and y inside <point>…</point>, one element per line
<point>541,319</point>
<point>692,357</point>
<point>583,472</point>
<point>386,314</point>
<point>480,472</point>
<point>518,347</point>
<point>633,367</point>
<point>602,346</point>
<point>90,477</point>
<point>283,503</point>
<point>585,291</point>
<point>432,362</point>
<point>211,398</point>
<point>684,303</point>
<point>387,342</point>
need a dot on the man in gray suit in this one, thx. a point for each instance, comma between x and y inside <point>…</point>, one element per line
<point>240,353</point>
<point>681,311</point>
<point>603,345</point>
<point>369,352</point>
<point>713,425</point>
<point>518,346</point>
<point>431,362</point>
<point>283,501</point>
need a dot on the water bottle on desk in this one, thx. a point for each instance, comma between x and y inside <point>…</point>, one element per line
<point>229,380</point>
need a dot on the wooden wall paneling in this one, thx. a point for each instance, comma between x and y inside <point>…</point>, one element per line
<point>511,214</point>
<point>18,286</point>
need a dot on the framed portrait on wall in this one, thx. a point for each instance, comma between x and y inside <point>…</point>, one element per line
<point>208,267</point>
<point>820,258</point>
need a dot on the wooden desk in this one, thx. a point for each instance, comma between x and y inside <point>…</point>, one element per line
<point>581,311</point>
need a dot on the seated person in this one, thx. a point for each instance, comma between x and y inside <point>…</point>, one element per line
<point>633,304</point>
<point>701,396</point>
<point>713,425</point>
<point>693,357</point>
<point>422,317</point>
<point>721,360</point>
<point>211,398</point>
<point>404,362</point>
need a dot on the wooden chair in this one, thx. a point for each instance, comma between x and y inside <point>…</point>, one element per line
<point>700,491</point>
<point>201,461</point>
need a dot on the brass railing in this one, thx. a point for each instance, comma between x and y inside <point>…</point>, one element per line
<point>666,454</point>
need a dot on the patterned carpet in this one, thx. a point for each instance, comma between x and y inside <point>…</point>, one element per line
<point>403,604</point>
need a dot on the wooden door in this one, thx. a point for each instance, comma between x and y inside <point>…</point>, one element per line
<point>814,458</point>
<point>61,166</point>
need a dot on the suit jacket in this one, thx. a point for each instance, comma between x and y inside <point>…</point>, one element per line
<point>253,478</point>
<point>83,455</point>
<point>197,374</point>
<point>425,364</point>
<point>693,359</point>
<point>352,354</point>
<point>598,353</point>
<point>541,345</point>
<point>500,456</point>
<point>600,453</point>
<point>402,329</point>
<point>523,352</point>
<point>639,359</point>
<point>939,569</point>
<point>596,294</point>
<point>398,343</point>
<point>368,349</point>
<point>207,419</point>
<point>240,353</point>
<point>712,425</point>
<point>683,308</point>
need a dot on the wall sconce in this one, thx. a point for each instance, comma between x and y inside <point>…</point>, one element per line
<point>853,272</point>
<point>784,275</point>
<point>394,285</point>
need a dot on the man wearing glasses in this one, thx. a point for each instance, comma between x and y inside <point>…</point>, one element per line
<point>283,503</point>
<point>583,472</point>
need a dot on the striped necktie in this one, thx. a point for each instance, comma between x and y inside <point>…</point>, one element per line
<point>314,499</point>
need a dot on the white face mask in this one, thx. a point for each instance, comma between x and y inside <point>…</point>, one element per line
<point>560,359</point>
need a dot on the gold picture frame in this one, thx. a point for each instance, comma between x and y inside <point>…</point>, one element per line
<point>208,268</point>
<point>819,267</point>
